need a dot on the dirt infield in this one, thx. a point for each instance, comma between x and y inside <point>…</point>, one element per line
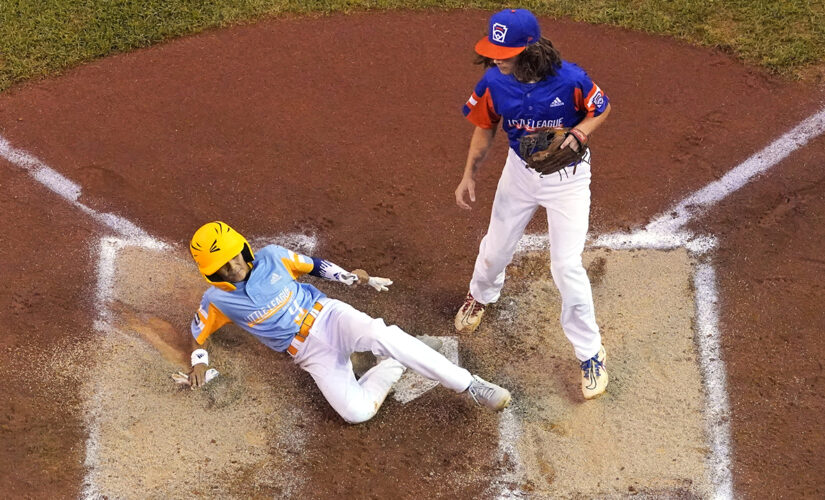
<point>275,134</point>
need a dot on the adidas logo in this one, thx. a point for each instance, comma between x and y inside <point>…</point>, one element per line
<point>556,102</point>
<point>274,278</point>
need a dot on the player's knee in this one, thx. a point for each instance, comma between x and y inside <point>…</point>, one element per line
<point>566,268</point>
<point>358,414</point>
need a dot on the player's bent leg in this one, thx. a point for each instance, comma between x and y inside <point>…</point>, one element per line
<point>349,330</point>
<point>325,355</point>
<point>357,331</point>
<point>414,354</point>
<point>354,400</point>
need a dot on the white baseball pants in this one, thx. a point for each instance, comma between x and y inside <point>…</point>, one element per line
<point>567,201</point>
<point>338,331</point>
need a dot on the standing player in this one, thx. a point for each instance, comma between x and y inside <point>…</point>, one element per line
<point>529,87</point>
<point>260,294</point>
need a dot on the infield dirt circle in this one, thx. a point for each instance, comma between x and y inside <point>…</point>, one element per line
<point>347,130</point>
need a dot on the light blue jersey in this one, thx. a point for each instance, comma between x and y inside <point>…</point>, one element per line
<point>270,305</point>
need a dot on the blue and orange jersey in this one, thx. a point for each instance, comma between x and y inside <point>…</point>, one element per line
<point>270,305</point>
<point>562,100</point>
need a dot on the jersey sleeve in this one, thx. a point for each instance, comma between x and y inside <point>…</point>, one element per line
<point>296,264</point>
<point>589,98</point>
<point>480,109</point>
<point>208,319</point>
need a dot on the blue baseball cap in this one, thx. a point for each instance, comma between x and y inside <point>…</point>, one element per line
<point>510,31</point>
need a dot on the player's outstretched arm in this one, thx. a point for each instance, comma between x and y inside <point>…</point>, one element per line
<point>333,272</point>
<point>196,376</point>
<point>200,363</point>
<point>480,145</point>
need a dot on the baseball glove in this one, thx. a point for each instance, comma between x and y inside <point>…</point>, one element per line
<point>542,150</point>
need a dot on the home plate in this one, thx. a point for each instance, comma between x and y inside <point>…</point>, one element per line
<point>413,385</point>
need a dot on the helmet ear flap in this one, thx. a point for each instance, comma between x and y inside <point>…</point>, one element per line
<point>214,278</point>
<point>247,253</point>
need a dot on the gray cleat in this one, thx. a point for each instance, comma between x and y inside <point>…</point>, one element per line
<point>488,394</point>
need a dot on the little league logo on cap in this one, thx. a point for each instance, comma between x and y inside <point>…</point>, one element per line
<point>510,31</point>
<point>498,33</point>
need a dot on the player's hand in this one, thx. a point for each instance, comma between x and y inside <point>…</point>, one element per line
<point>468,185</point>
<point>197,375</point>
<point>570,142</point>
<point>361,277</point>
<point>380,284</point>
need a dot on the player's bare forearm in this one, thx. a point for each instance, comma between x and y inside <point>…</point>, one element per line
<point>197,374</point>
<point>480,145</point>
<point>591,123</point>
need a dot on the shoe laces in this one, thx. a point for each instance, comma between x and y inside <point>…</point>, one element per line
<point>592,364</point>
<point>479,389</point>
<point>472,303</point>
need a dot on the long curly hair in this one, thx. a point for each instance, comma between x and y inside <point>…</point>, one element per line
<point>536,62</point>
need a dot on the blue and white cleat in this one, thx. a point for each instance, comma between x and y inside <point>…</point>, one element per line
<point>594,380</point>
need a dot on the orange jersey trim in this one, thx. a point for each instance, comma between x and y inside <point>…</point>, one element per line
<point>482,112</point>
<point>295,266</point>
<point>212,321</point>
<point>582,102</point>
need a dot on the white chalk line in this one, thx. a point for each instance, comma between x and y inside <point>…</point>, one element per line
<point>666,232</point>
<point>69,191</point>
<point>106,256</point>
<point>717,416</point>
<point>509,433</point>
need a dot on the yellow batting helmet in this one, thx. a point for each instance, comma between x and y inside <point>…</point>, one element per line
<point>214,244</point>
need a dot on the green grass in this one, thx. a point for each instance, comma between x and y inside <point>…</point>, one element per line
<point>43,37</point>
